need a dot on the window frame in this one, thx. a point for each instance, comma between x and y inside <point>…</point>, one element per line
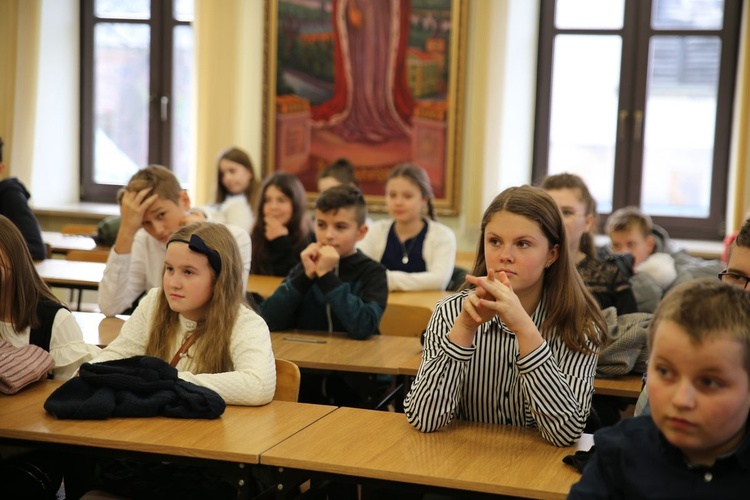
<point>161,24</point>
<point>636,33</point>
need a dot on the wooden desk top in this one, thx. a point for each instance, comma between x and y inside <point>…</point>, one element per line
<point>97,328</point>
<point>626,386</point>
<point>379,354</point>
<point>466,455</point>
<point>240,435</point>
<point>71,274</point>
<point>63,243</point>
<point>266,285</point>
<point>427,298</point>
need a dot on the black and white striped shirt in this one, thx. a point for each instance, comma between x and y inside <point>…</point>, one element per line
<point>550,388</point>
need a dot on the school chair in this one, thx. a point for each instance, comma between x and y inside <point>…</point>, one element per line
<point>288,379</point>
<point>85,256</point>
<point>404,320</point>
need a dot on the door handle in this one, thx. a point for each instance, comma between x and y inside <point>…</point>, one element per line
<point>623,121</point>
<point>637,125</point>
<point>164,108</point>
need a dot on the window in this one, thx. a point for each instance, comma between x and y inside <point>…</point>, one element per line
<point>636,96</point>
<point>136,86</point>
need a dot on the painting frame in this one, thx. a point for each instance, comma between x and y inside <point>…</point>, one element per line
<point>297,140</point>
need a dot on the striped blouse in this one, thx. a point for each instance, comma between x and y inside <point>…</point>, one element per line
<point>550,388</point>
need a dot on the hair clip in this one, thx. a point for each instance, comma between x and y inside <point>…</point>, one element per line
<point>196,244</point>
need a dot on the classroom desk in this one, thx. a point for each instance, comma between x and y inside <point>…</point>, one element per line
<point>335,351</point>
<point>266,285</point>
<point>487,458</point>
<point>426,298</point>
<point>240,435</point>
<point>99,329</point>
<point>71,274</point>
<point>63,243</point>
<point>626,386</point>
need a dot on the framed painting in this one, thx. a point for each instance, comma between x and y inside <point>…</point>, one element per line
<point>377,82</point>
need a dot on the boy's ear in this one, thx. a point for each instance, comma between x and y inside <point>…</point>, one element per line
<point>184,200</point>
<point>650,243</point>
<point>362,231</point>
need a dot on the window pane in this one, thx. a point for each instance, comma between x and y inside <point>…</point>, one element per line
<point>583,121</point>
<point>121,101</point>
<point>594,14</point>
<point>123,9</point>
<point>184,10</point>
<point>679,128</point>
<point>687,14</point>
<point>182,112</point>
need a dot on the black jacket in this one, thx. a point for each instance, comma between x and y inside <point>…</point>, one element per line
<point>14,205</point>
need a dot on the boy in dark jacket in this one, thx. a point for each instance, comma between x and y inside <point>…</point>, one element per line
<point>15,206</point>
<point>335,287</point>
<point>695,442</point>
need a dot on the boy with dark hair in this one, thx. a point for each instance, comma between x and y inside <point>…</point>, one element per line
<point>694,444</point>
<point>335,287</point>
<point>339,172</point>
<point>14,205</point>
<point>153,205</point>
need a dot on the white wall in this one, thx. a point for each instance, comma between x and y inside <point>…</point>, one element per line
<point>55,174</point>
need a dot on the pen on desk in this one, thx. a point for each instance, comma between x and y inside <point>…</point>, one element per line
<point>300,339</point>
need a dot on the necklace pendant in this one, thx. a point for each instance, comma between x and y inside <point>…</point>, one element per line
<point>405,259</point>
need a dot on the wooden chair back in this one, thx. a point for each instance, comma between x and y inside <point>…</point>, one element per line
<point>81,229</point>
<point>404,320</point>
<point>88,255</point>
<point>288,379</point>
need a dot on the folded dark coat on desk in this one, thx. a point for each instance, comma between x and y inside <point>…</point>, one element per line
<point>141,386</point>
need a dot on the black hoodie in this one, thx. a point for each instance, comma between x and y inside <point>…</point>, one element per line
<point>14,205</point>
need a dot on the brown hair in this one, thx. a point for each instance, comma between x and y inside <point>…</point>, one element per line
<point>573,312</point>
<point>213,334</point>
<point>343,196</point>
<point>418,176</point>
<point>22,288</point>
<point>342,170</point>
<point>706,308</point>
<point>627,218</point>
<point>237,156</point>
<point>572,181</point>
<point>300,229</point>
<point>160,179</point>
<point>742,239</point>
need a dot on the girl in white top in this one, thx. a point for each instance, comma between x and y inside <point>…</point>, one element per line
<point>419,253</point>
<point>202,306</point>
<point>235,190</point>
<point>29,311</point>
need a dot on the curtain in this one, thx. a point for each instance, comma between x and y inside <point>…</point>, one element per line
<point>20,28</point>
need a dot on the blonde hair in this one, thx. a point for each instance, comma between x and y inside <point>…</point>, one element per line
<point>160,179</point>
<point>572,311</point>
<point>212,334</point>
<point>627,218</point>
